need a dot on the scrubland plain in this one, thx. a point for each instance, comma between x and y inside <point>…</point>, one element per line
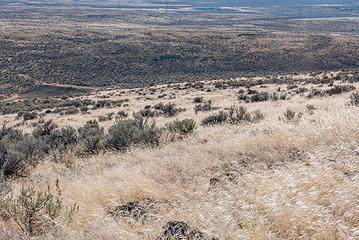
<point>293,174</point>
<point>173,121</point>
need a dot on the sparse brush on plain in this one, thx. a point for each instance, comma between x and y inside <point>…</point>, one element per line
<point>204,107</point>
<point>217,118</point>
<point>183,127</point>
<point>235,115</point>
<point>291,116</point>
<point>204,156</point>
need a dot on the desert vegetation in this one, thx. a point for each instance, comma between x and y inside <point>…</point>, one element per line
<point>178,120</point>
<point>126,49</point>
<point>269,168</point>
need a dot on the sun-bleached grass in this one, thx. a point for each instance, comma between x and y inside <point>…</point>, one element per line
<point>276,179</point>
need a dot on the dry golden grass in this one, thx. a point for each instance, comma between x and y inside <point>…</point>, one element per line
<point>274,180</point>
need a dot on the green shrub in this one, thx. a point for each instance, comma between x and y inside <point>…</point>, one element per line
<point>240,114</point>
<point>13,136</point>
<point>35,211</point>
<point>183,127</point>
<point>125,133</point>
<point>4,131</point>
<point>91,136</point>
<point>12,163</point>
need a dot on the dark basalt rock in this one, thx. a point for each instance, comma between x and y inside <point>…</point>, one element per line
<point>131,210</point>
<point>175,230</point>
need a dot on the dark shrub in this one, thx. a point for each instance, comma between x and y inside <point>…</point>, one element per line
<point>84,109</point>
<point>148,113</point>
<point>71,110</point>
<point>243,97</point>
<point>121,114</point>
<point>12,163</point>
<point>257,116</point>
<point>91,135</point>
<point>315,92</point>
<point>32,150</point>
<point>311,108</point>
<point>168,110</point>
<point>13,136</point>
<point>62,139</point>
<point>291,115</point>
<point>198,99</point>
<point>44,129</point>
<point>283,97</point>
<point>339,89</point>
<point>252,91</point>
<point>129,132</point>
<point>29,115</point>
<point>354,99</point>
<point>129,211</point>
<point>217,118</point>
<point>180,230</point>
<point>203,107</point>
<point>183,127</point>
<point>107,117</point>
<point>260,97</point>
<point>238,114</point>
<point>4,131</point>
